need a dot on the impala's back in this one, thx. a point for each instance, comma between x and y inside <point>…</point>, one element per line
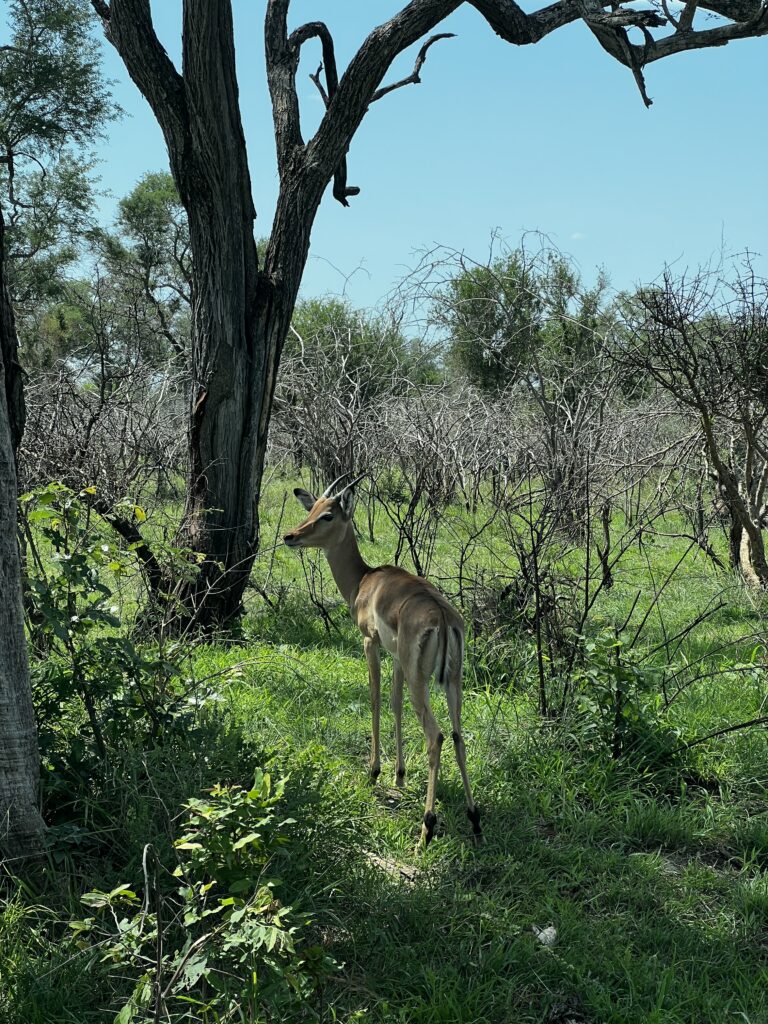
<point>412,620</point>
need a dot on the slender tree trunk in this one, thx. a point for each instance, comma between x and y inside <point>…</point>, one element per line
<point>752,558</point>
<point>746,543</point>
<point>240,312</point>
<point>9,346</point>
<point>21,827</point>
<point>734,541</point>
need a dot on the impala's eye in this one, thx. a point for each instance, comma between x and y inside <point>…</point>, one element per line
<point>327,515</point>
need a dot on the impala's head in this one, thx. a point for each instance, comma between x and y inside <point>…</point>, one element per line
<point>329,515</point>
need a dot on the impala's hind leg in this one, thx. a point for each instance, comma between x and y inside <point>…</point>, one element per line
<point>420,699</point>
<point>453,696</point>
<point>397,710</point>
<point>373,657</point>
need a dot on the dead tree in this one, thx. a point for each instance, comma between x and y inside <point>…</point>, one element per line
<point>703,338</point>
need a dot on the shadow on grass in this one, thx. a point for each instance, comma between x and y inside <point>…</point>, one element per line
<point>295,621</point>
<point>99,827</point>
<point>641,936</point>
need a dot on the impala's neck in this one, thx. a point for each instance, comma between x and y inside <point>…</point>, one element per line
<point>347,565</point>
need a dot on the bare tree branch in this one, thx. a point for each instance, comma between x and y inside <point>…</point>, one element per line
<point>317,29</point>
<point>734,10</point>
<point>281,76</point>
<point>723,732</point>
<point>510,22</point>
<point>318,82</point>
<point>363,77</point>
<point>720,36</point>
<point>102,9</point>
<point>414,77</point>
<point>128,26</point>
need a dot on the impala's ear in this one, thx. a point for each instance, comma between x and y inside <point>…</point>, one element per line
<point>346,502</point>
<point>307,500</point>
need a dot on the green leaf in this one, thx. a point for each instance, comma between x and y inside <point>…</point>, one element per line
<point>250,838</point>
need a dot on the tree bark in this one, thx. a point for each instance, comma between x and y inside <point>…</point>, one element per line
<point>21,827</point>
<point>200,118</point>
<point>752,561</point>
<point>241,313</point>
<point>9,350</point>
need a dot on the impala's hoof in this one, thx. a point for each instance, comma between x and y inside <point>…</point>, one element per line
<point>400,779</point>
<point>473,814</point>
<point>428,828</point>
<point>373,774</point>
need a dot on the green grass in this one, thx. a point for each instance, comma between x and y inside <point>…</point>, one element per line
<point>655,879</point>
<point>659,900</point>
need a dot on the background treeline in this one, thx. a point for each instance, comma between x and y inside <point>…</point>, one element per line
<point>472,377</point>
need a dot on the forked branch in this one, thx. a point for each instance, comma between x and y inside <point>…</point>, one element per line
<point>414,77</point>
<point>749,18</point>
<point>313,29</point>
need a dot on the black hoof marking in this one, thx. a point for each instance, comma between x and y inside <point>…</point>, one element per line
<point>430,820</point>
<point>401,775</point>
<point>474,817</point>
<point>456,737</point>
<point>374,774</point>
<point>440,739</point>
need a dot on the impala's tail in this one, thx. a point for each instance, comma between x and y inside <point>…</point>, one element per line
<point>450,654</point>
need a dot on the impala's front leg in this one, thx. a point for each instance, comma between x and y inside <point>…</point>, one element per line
<point>373,657</point>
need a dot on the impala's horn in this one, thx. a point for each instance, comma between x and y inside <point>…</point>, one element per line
<point>331,487</point>
<point>329,491</point>
<point>355,482</point>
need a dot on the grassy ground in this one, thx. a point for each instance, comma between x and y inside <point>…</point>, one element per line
<point>652,879</point>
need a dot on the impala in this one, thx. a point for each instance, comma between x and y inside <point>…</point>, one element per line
<point>406,616</point>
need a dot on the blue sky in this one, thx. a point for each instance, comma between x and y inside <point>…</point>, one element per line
<point>552,138</point>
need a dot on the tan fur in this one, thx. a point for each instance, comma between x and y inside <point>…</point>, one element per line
<point>407,616</point>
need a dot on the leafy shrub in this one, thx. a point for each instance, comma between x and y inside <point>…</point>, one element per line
<point>98,690</point>
<point>211,940</point>
<point>619,700</point>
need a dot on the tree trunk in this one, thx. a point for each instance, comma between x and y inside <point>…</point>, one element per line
<point>240,314</point>
<point>21,827</point>
<point>752,559</point>
<point>735,532</point>
<point>745,539</point>
<point>9,350</point>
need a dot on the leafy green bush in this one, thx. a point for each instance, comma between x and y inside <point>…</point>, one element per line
<point>98,690</point>
<point>618,698</point>
<point>210,940</point>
